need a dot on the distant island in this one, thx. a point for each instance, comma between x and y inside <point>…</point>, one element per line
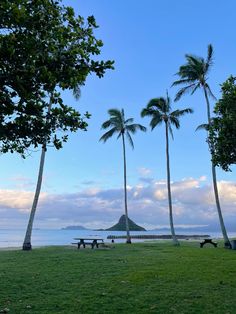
<point>74,228</point>
<point>121,226</point>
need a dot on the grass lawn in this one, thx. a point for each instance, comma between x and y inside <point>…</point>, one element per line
<point>136,278</point>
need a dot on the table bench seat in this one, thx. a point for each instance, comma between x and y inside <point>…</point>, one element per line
<point>92,242</point>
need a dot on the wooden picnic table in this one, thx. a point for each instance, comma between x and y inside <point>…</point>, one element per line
<point>88,241</point>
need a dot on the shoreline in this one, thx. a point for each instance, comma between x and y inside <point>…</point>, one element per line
<point>162,237</point>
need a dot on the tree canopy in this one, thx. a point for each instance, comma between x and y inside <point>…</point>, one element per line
<point>119,124</point>
<point>193,74</point>
<point>44,49</point>
<point>223,126</point>
<point>159,110</point>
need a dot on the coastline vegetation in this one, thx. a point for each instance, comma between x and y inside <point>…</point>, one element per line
<point>142,278</point>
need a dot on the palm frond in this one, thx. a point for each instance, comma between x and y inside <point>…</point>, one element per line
<point>120,125</point>
<point>158,116</point>
<point>108,134</point>
<point>188,71</point>
<point>106,124</point>
<point>204,126</point>
<point>130,139</point>
<point>123,113</point>
<point>209,92</point>
<point>186,110</point>
<point>134,127</point>
<point>141,127</point>
<point>175,121</point>
<point>157,103</point>
<point>171,131</point>
<point>167,103</point>
<point>198,85</point>
<point>119,135</point>
<point>147,112</point>
<point>112,122</point>
<point>156,120</point>
<point>115,113</point>
<point>117,123</point>
<point>184,90</point>
<point>182,81</point>
<point>209,61</point>
<point>179,113</point>
<point>130,120</point>
<point>195,62</point>
<point>116,120</point>
<point>155,114</point>
<point>193,71</point>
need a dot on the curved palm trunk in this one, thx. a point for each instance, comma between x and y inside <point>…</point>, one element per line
<point>175,240</point>
<point>125,193</point>
<point>222,225</point>
<point>27,241</point>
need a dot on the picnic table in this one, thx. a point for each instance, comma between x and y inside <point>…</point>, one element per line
<point>88,241</point>
<point>208,241</point>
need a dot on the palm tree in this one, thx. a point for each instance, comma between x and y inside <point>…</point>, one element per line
<point>121,126</point>
<point>194,75</point>
<point>27,241</point>
<point>159,109</point>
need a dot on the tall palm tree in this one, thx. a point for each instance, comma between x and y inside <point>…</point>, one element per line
<point>27,240</point>
<point>123,127</point>
<point>194,75</point>
<point>159,109</point>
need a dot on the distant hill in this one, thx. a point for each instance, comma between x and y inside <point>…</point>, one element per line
<point>74,228</point>
<point>120,226</point>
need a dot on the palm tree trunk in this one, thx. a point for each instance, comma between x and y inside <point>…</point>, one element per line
<point>175,240</point>
<point>214,179</point>
<point>27,241</point>
<point>125,193</point>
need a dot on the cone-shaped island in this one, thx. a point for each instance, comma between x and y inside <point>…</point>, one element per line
<point>120,226</point>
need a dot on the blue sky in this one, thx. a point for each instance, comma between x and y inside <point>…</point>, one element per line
<point>83,181</point>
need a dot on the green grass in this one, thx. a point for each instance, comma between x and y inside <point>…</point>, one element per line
<point>137,278</point>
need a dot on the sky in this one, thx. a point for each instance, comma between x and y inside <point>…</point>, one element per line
<point>83,182</point>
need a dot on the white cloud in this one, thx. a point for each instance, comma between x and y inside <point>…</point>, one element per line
<point>20,200</point>
<point>227,191</point>
<point>193,204</point>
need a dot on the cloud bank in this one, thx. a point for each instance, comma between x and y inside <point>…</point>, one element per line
<point>193,204</point>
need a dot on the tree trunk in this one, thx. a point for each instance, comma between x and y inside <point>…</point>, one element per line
<point>27,241</point>
<point>125,193</point>
<point>175,240</point>
<point>227,243</point>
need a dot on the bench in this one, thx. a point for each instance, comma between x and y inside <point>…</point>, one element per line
<point>208,241</point>
<point>88,241</point>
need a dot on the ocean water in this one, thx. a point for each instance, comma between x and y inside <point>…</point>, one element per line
<point>44,237</point>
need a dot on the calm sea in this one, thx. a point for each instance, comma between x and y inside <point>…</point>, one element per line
<point>43,237</point>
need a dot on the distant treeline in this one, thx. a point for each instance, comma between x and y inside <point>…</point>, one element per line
<point>162,236</point>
